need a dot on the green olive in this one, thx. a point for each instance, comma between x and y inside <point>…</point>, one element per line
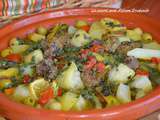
<point>147,38</point>
<point>81,23</point>
<point>35,37</point>
<point>29,101</point>
<point>42,30</point>
<point>5,83</point>
<point>111,101</point>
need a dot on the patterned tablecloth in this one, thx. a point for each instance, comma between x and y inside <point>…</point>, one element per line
<point>12,9</point>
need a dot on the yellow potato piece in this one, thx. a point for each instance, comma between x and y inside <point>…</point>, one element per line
<point>36,55</point>
<point>36,37</point>
<point>81,23</point>
<point>6,52</point>
<point>19,48</point>
<point>68,100</point>
<point>42,30</point>
<point>10,72</point>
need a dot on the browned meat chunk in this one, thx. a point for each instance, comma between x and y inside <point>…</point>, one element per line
<point>132,62</point>
<point>61,40</point>
<point>113,45</point>
<point>126,46</point>
<point>58,42</point>
<point>90,79</point>
<point>46,69</point>
<point>52,47</point>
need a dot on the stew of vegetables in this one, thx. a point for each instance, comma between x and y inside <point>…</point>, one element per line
<point>80,67</point>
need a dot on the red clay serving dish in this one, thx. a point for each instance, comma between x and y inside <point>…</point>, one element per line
<point>129,111</point>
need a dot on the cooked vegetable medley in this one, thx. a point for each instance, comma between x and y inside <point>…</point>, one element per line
<point>80,67</point>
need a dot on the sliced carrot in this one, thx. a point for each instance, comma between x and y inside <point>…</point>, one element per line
<point>9,91</point>
<point>155,60</point>
<point>59,92</point>
<point>85,28</point>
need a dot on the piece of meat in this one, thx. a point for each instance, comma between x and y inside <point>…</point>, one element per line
<point>112,44</point>
<point>46,69</point>
<point>61,40</point>
<point>132,62</point>
<point>90,79</point>
<point>126,46</point>
<point>53,47</point>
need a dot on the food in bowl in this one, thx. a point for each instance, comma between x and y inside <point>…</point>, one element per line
<point>80,67</point>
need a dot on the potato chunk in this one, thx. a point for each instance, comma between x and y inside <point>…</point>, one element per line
<point>121,74</point>
<point>123,93</point>
<point>70,78</point>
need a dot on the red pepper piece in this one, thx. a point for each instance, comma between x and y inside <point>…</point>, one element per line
<point>26,79</point>
<point>84,53</point>
<point>155,60</point>
<point>90,63</point>
<point>14,57</point>
<point>59,92</point>
<point>142,73</point>
<point>46,96</point>
<point>100,67</point>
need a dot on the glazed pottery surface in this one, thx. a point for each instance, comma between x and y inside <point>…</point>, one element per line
<point>25,25</point>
